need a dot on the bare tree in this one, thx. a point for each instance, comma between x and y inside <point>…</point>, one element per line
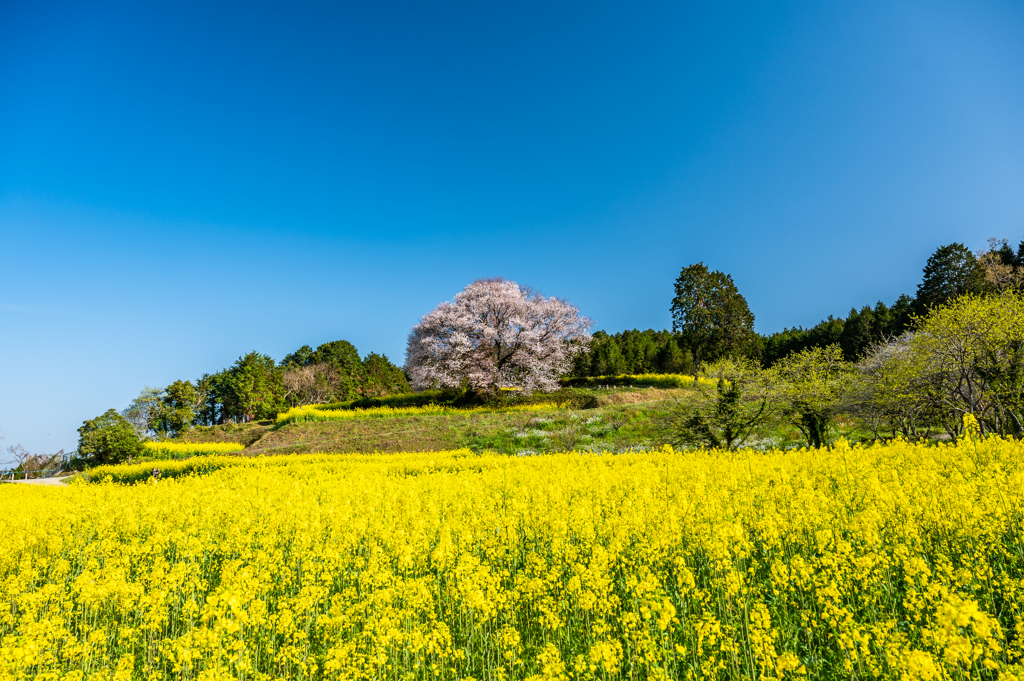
<point>22,456</point>
<point>1000,270</point>
<point>32,464</point>
<point>311,384</point>
<point>571,434</point>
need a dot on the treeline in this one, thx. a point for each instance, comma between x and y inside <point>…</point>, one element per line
<point>633,352</point>
<point>950,272</point>
<point>256,387</point>
<point>961,369</point>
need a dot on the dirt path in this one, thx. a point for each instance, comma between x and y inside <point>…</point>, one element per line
<point>40,481</point>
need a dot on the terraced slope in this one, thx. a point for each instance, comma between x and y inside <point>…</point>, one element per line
<point>623,419</point>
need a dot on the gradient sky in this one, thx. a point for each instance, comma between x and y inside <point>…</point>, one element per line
<point>181,183</point>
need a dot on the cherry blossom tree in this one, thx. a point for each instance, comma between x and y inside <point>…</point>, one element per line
<point>496,334</point>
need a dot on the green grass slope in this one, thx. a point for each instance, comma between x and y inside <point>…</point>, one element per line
<point>618,419</point>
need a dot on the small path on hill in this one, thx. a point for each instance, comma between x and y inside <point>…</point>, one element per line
<point>50,482</point>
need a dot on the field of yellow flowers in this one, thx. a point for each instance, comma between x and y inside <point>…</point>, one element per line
<point>315,412</point>
<point>895,561</point>
<point>181,450</point>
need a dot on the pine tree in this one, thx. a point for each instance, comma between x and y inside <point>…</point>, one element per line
<point>709,313</point>
<point>951,271</point>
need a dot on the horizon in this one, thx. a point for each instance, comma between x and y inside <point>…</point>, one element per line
<point>182,184</point>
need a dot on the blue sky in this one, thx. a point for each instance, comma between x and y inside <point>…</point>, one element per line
<point>181,183</point>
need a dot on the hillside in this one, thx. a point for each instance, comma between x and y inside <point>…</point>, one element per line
<point>621,418</point>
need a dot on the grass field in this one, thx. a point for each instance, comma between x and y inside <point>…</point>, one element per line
<point>619,419</point>
<point>887,561</point>
<point>496,430</point>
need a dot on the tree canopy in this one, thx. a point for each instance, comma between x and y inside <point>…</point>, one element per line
<point>951,271</point>
<point>709,313</point>
<point>496,334</point>
<point>108,438</point>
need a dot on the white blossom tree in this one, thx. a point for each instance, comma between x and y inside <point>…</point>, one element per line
<point>496,334</point>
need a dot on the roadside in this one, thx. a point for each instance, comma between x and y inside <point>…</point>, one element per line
<point>56,481</point>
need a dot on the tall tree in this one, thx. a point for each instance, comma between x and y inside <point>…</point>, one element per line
<point>859,332</point>
<point>709,313</point>
<point>254,387</point>
<point>108,438</point>
<point>178,409</point>
<point>496,334</point>
<point>144,410</point>
<point>344,357</point>
<point>672,360</point>
<point>951,271</point>
<point>605,357</point>
<point>902,315</point>
<point>812,385</point>
<point>383,377</point>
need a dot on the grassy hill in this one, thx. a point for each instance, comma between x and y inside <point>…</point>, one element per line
<point>615,419</point>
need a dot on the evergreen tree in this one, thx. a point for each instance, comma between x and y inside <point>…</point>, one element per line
<point>709,313</point>
<point>253,388</point>
<point>300,358</point>
<point>605,357</point>
<point>108,438</point>
<point>672,360</point>
<point>383,377</point>
<point>178,409</point>
<point>343,356</point>
<point>859,332</point>
<point>901,315</point>
<point>951,271</point>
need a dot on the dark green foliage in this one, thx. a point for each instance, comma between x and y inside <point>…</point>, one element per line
<point>860,330</point>
<point>254,387</point>
<point>108,438</point>
<point>250,389</point>
<point>299,358</point>
<point>606,357</point>
<point>178,409</point>
<point>1006,255</point>
<point>855,334</point>
<point>786,342</point>
<point>901,315</point>
<point>343,356</point>
<point>951,271</point>
<point>382,377</point>
<point>633,352</point>
<point>711,317</point>
<point>671,360</point>
<point>339,354</point>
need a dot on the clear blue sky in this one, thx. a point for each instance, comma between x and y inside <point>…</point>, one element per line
<point>181,183</point>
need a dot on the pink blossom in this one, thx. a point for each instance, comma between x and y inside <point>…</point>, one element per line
<point>496,334</point>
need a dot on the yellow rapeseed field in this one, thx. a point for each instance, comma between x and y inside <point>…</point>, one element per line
<point>896,561</point>
<point>174,450</point>
<point>317,413</point>
<point>651,380</point>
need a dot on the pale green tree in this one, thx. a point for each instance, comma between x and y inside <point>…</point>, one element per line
<point>972,359</point>
<point>813,385</point>
<point>726,411</point>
